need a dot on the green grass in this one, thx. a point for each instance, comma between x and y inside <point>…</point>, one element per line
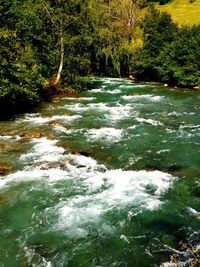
<point>183,12</point>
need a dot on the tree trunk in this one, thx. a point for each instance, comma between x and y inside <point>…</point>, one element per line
<point>62,51</point>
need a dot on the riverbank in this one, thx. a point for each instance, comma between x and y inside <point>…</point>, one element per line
<point>8,109</point>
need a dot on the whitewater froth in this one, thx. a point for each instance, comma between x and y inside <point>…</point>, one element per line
<point>106,191</point>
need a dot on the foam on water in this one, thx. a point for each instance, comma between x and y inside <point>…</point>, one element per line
<point>47,162</point>
<point>147,96</point>
<point>99,90</point>
<point>112,80</point>
<point>115,91</point>
<point>44,150</point>
<point>32,174</point>
<point>163,151</point>
<point>108,134</point>
<point>87,163</point>
<point>132,127</point>
<point>106,190</point>
<point>193,211</point>
<point>5,137</point>
<point>82,108</point>
<point>149,121</point>
<point>103,91</point>
<point>189,126</point>
<point>83,98</point>
<point>32,257</point>
<point>143,85</point>
<point>174,113</point>
<point>42,120</point>
<point>62,129</point>
<point>128,84</point>
<point>113,113</point>
<point>118,112</point>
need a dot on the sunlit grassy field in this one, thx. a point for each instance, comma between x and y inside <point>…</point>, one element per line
<point>184,12</point>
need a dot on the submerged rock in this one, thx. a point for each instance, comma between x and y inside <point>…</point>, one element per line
<point>47,166</point>
<point>133,94</point>
<point>3,200</point>
<point>24,135</point>
<point>174,168</point>
<point>151,168</point>
<point>108,158</point>
<point>67,114</point>
<point>49,137</point>
<point>4,169</point>
<point>24,141</point>
<point>55,123</point>
<point>36,135</point>
<point>130,77</point>
<point>95,126</point>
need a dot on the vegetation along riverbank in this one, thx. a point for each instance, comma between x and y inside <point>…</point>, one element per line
<point>46,44</point>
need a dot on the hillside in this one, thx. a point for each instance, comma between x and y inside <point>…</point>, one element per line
<point>183,12</point>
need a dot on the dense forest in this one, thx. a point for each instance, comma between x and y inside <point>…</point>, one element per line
<point>46,43</point>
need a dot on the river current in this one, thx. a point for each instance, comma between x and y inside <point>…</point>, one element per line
<point>102,179</point>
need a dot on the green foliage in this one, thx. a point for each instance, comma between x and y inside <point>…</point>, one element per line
<point>169,54</point>
<point>30,48</point>
<point>158,31</point>
<point>21,83</point>
<point>82,83</point>
<point>179,63</point>
<point>115,34</point>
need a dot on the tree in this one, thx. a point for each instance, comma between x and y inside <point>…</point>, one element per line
<point>21,83</point>
<point>179,63</point>
<point>56,19</point>
<point>124,15</point>
<point>115,35</point>
<point>34,36</point>
<point>169,54</point>
<point>158,31</point>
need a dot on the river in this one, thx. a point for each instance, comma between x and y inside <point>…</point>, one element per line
<point>102,179</point>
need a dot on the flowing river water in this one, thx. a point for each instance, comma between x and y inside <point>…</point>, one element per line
<point>102,179</point>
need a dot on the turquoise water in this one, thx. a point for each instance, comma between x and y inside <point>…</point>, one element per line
<point>112,181</point>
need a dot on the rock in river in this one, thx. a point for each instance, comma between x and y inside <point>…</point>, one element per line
<point>4,169</point>
<point>133,94</point>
